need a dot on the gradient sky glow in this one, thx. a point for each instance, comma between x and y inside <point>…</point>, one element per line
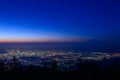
<point>59,20</point>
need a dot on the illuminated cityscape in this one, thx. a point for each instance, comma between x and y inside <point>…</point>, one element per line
<point>36,56</point>
<point>59,39</point>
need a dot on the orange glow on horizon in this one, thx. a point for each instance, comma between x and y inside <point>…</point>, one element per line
<point>41,40</point>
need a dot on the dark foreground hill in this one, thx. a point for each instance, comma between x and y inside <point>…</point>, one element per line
<point>84,71</point>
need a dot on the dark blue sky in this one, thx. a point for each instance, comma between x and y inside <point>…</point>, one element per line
<point>45,20</point>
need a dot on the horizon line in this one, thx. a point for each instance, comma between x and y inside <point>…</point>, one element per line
<point>40,40</point>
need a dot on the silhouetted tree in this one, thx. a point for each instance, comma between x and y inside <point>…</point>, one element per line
<point>87,70</point>
<point>15,64</point>
<point>95,71</point>
<point>55,65</point>
<point>1,66</point>
<point>79,71</point>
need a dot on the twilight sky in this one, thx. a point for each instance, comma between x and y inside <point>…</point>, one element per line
<point>59,20</point>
